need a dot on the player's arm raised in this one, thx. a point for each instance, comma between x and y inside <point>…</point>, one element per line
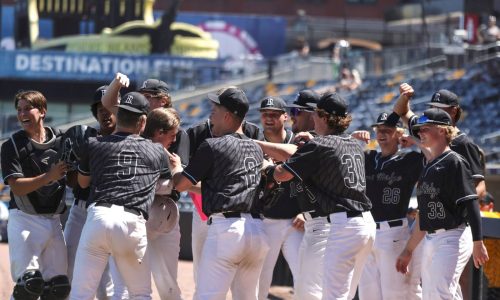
<point>402,106</point>
<point>112,95</point>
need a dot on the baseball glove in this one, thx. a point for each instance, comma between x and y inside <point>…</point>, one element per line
<point>270,189</point>
<point>72,143</point>
<point>163,215</point>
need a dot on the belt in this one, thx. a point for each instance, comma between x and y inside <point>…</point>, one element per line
<point>233,214</point>
<point>434,231</point>
<point>309,215</point>
<point>134,211</point>
<point>393,223</point>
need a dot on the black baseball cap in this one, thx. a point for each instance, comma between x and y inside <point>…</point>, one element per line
<point>154,86</point>
<point>435,116</point>
<point>233,99</point>
<point>272,103</point>
<point>98,94</point>
<point>391,120</point>
<point>135,102</point>
<point>444,98</point>
<point>332,103</point>
<point>303,98</point>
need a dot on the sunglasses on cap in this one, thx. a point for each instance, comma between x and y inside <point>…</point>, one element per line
<point>295,111</point>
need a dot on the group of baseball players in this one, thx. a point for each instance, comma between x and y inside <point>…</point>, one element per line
<point>335,211</point>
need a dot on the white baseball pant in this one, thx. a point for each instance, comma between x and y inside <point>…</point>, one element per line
<point>163,251</point>
<point>380,280</point>
<point>349,244</point>
<point>199,232</point>
<point>232,256</point>
<point>111,230</point>
<point>72,232</point>
<point>281,236</point>
<point>36,243</point>
<point>445,256</point>
<point>308,285</point>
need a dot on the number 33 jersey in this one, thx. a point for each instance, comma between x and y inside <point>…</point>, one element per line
<point>444,185</point>
<point>124,169</point>
<point>390,181</point>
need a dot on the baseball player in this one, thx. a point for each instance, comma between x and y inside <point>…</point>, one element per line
<point>197,135</point>
<point>283,229</point>
<point>445,194</point>
<point>390,178</point>
<point>162,126</point>
<point>158,94</point>
<point>229,168</point>
<point>78,212</point>
<point>308,282</point>
<point>332,165</point>
<point>122,170</point>
<point>462,144</point>
<point>37,181</point>
<point>301,114</point>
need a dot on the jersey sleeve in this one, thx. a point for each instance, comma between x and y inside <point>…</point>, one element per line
<point>304,162</point>
<point>471,154</point>
<point>181,147</point>
<point>463,188</point>
<point>197,135</point>
<point>200,164</point>
<point>83,165</point>
<point>11,166</point>
<point>416,162</point>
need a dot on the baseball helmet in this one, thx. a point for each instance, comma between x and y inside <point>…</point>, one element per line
<point>72,143</point>
<point>163,215</point>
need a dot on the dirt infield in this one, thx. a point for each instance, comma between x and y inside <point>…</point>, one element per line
<point>185,279</point>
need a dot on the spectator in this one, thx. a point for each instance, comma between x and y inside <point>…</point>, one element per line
<point>489,33</point>
<point>349,79</point>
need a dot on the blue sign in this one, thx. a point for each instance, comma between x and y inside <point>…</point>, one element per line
<point>95,67</point>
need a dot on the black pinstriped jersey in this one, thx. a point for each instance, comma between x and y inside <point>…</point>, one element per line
<point>124,169</point>
<point>202,131</point>
<point>390,181</point>
<point>335,168</point>
<point>464,146</point>
<point>443,187</point>
<point>286,207</point>
<point>229,170</point>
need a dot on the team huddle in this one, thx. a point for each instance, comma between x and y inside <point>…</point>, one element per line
<point>338,213</point>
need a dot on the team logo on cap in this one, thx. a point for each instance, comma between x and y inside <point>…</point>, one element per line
<point>103,91</point>
<point>144,84</point>
<point>129,99</point>
<point>436,97</point>
<point>383,117</point>
<point>270,102</point>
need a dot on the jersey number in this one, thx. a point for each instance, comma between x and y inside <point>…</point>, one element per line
<point>250,175</point>
<point>390,196</point>
<point>127,160</point>
<point>355,170</point>
<point>436,210</point>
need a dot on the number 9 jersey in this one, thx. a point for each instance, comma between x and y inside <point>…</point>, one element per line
<point>443,187</point>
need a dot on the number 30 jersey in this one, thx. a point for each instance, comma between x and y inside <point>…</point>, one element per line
<point>390,181</point>
<point>334,168</point>
<point>443,187</point>
<point>124,169</point>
